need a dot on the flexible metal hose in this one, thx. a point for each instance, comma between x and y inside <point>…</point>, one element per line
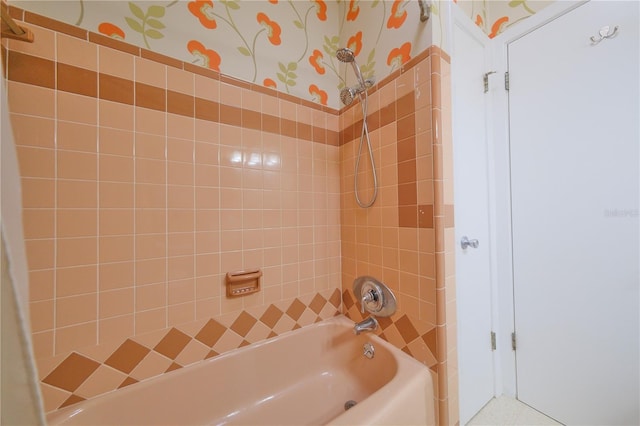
<point>365,134</point>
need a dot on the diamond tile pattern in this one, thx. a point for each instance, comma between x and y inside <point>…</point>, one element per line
<point>401,331</point>
<point>128,381</point>
<point>71,372</point>
<point>347,299</point>
<point>430,339</point>
<point>243,324</point>
<point>173,366</point>
<point>335,299</point>
<point>72,400</point>
<point>271,316</point>
<point>127,356</point>
<point>296,309</point>
<point>172,344</point>
<point>140,361</point>
<point>406,329</point>
<point>317,303</point>
<point>211,333</point>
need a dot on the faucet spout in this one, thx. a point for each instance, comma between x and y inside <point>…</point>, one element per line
<point>368,324</point>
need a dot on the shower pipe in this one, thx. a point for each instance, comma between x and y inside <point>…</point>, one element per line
<point>347,96</point>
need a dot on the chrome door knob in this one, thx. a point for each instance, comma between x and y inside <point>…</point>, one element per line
<point>466,242</point>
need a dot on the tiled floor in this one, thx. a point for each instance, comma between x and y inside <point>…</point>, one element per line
<point>505,411</point>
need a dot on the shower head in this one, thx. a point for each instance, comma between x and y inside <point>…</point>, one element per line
<point>346,55</point>
<point>348,94</point>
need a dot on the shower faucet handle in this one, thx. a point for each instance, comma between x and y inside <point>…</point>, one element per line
<point>375,297</point>
<point>369,296</point>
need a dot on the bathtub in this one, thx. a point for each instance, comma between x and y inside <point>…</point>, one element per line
<point>303,377</point>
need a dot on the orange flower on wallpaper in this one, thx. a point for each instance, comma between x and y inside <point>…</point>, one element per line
<point>399,56</point>
<point>209,57</point>
<point>111,30</point>
<point>273,29</point>
<point>273,1</point>
<point>314,61</point>
<point>202,9</point>
<point>269,83</point>
<point>322,10</point>
<point>479,21</point>
<point>354,10</point>
<point>397,18</point>
<point>355,43</point>
<point>496,28</point>
<point>318,95</point>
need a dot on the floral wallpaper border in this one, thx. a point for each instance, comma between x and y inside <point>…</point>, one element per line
<point>288,45</point>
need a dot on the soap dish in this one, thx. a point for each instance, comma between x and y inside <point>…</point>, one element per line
<point>241,283</point>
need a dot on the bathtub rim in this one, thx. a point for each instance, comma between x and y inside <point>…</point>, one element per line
<point>405,376</point>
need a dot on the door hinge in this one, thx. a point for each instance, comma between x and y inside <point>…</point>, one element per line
<point>506,81</point>
<point>485,80</point>
<point>493,340</point>
<point>513,341</point>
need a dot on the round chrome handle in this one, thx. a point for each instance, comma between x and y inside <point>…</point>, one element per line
<point>466,242</point>
<point>375,297</point>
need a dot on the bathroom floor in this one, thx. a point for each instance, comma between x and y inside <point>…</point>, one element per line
<point>505,411</point>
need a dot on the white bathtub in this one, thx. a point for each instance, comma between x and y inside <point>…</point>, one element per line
<point>303,377</point>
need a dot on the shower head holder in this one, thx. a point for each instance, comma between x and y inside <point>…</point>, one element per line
<point>348,94</point>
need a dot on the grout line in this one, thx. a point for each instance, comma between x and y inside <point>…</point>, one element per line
<point>166,199</point>
<point>98,234</point>
<point>55,193</point>
<point>134,201</point>
<point>195,191</point>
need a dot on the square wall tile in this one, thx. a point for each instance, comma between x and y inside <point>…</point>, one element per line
<point>76,52</point>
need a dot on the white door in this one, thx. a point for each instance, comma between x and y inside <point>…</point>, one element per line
<point>574,136</point>
<point>473,274</point>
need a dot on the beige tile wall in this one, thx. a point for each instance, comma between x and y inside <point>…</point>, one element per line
<point>144,182</point>
<point>146,179</point>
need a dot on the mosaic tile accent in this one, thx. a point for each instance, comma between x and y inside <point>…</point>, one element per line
<point>81,376</point>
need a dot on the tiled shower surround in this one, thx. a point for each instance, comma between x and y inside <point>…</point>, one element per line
<point>406,238</point>
<point>146,179</point>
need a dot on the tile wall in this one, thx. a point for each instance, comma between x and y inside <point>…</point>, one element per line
<point>406,238</point>
<point>145,179</point>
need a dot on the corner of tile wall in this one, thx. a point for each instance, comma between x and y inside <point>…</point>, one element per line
<point>401,238</point>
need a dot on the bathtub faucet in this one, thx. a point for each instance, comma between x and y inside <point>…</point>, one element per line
<point>369,324</point>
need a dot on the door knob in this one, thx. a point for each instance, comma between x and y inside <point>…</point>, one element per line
<point>466,242</point>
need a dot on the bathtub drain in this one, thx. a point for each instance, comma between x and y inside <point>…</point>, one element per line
<point>350,403</point>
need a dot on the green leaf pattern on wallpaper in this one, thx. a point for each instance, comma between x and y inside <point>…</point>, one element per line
<point>146,23</point>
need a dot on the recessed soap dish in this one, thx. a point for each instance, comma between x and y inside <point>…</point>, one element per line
<point>241,283</point>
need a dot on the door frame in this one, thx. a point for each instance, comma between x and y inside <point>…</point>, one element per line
<point>500,177</point>
<point>458,18</point>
